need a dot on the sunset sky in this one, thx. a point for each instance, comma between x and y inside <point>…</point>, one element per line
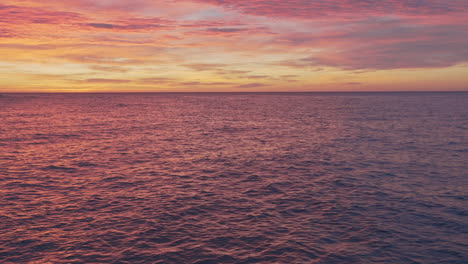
<point>233,45</point>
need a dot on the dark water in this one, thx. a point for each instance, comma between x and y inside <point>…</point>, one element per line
<point>225,178</point>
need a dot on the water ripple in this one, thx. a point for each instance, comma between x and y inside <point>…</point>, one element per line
<point>246,178</point>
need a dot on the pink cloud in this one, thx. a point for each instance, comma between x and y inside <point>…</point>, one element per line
<point>382,44</point>
<point>22,15</point>
<point>130,24</point>
<point>115,81</point>
<point>251,85</point>
<point>310,9</point>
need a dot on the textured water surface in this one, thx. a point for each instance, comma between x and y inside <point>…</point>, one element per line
<point>234,178</point>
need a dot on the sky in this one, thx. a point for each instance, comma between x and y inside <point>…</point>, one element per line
<point>233,45</point>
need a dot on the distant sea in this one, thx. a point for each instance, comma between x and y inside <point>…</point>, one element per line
<point>234,178</point>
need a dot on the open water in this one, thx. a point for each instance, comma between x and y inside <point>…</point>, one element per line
<point>234,178</point>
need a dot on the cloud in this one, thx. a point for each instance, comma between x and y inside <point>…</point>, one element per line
<point>114,81</point>
<point>33,15</point>
<point>231,72</point>
<point>251,85</point>
<point>29,47</point>
<point>100,25</point>
<point>226,30</point>
<point>382,43</point>
<point>209,24</point>
<point>93,58</point>
<point>410,54</point>
<point>204,66</point>
<point>6,33</point>
<point>311,9</point>
<point>258,77</point>
<point>109,68</point>
<point>126,27</point>
<point>131,24</point>
<point>157,80</point>
<point>205,83</point>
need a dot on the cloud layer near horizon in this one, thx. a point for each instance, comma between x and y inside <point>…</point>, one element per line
<point>227,45</point>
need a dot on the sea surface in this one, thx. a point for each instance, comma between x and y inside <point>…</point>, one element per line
<point>234,178</point>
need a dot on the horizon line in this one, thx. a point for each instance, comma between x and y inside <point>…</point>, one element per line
<point>233,92</point>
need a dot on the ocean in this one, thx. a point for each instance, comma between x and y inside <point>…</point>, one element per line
<point>234,178</point>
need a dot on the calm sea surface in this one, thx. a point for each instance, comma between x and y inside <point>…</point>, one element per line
<point>234,178</point>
